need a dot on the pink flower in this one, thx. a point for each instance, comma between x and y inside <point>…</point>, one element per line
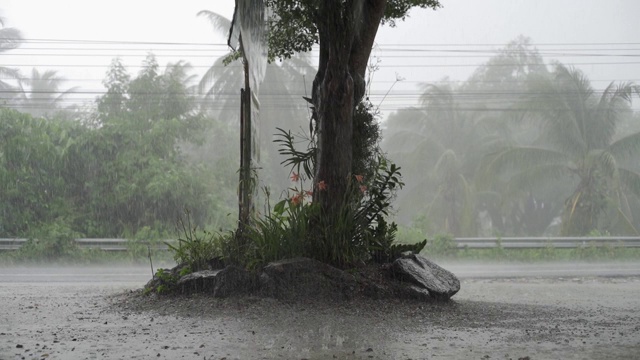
<point>308,193</point>
<point>296,199</point>
<point>322,185</point>
<point>295,177</point>
<point>359,178</point>
<point>363,188</point>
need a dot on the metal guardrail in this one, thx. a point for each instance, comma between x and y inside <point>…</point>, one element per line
<point>462,243</point>
<point>543,242</point>
<point>101,244</point>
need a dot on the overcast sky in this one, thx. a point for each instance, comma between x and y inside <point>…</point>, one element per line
<point>134,27</point>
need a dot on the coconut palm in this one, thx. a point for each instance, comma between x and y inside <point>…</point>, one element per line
<point>281,103</point>
<point>578,143</point>
<point>40,94</point>
<point>440,147</point>
<point>10,38</point>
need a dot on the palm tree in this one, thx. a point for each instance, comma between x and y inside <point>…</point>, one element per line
<point>40,94</point>
<point>10,38</point>
<point>441,145</point>
<point>578,143</point>
<point>281,103</point>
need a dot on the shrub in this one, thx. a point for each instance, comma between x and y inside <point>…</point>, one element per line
<point>197,248</point>
<point>51,242</point>
<point>442,245</point>
<point>357,232</point>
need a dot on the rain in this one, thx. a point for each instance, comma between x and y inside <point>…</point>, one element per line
<point>285,179</point>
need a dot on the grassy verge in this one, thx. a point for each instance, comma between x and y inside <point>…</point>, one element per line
<point>444,248</point>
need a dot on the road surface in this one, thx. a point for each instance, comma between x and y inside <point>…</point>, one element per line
<point>551,311</point>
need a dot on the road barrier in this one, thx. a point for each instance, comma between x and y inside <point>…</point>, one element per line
<point>543,242</point>
<point>101,244</point>
<point>462,243</point>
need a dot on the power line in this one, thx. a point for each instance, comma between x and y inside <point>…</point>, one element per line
<point>42,40</point>
<point>379,65</point>
<point>77,41</point>
<point>266,83</point>
<point>222,53</point>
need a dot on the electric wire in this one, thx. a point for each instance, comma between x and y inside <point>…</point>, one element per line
<point>396,99</point>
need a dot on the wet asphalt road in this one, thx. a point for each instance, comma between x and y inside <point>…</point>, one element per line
<point>131,275</point>
<point>503,311</point>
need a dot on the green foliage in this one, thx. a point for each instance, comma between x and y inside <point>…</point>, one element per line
<point>144,242</point>
<point>113,103</point>
<point>294,23</point>
<point>366,139</point>
<point>300,162</point>
<point>480,161</point>
<point>577,141</point>
<point>370,226</point>
<point>197,248</point>
<point>33,155</point>
<point>357,232</point>
<point>283,233</point>
<point>445,248</point>
<point>167,281</point>
<point>118,173</point>
<point>597,251</point>
<point>442,245</point>
<point>51,242</point>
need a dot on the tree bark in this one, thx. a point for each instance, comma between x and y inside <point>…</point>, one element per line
<point>346,31</point>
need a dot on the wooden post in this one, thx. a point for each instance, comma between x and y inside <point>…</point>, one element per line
<point>245,198</point>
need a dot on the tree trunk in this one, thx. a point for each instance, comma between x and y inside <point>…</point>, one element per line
<point>347,31</point>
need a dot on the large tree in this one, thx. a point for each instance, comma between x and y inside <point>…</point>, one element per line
<point>345,32</point>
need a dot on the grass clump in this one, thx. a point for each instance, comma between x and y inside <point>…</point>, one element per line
<point>196,248</point>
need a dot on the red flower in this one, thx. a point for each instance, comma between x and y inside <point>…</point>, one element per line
<point>322,185</point>
<point>359,178</point>
<point>296,199</point>
<point>308,192</point>
<point>294,176</point>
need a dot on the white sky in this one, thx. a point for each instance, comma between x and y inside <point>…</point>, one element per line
<point>609,26</point>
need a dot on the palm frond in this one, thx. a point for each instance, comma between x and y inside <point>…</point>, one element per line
<point>562,124</point>
<point>629,180</point>
<point>607,162</point>
<point>220,24</point>
<point>10,38</point>
<point>606,114</point>
<point>6,72</point>
<point>447,164</point>
<point>535,177</point>
<point>626,147</point>
<point>627,222</point>
<point>518,158</point>
<point>218,77</point>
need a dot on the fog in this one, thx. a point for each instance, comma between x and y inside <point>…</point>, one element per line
<point>513,122</point>
<point>458,92</point>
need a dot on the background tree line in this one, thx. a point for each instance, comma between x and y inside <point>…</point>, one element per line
<point>152,146</point>
<point>120,169</point>
<point>517,147</point>
<point>520,148</point>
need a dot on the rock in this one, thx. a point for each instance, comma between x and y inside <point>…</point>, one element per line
<point>425,275</point>
<point>300,278</point>
<point>231,280</point>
